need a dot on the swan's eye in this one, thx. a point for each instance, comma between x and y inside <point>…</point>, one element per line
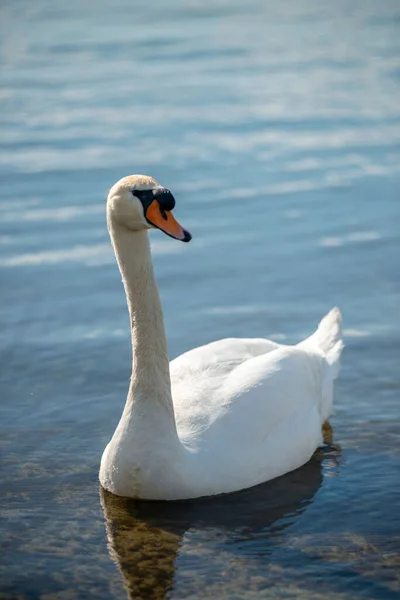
<point>141,194</point>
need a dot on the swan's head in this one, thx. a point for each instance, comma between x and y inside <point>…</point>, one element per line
<point>138,202</point>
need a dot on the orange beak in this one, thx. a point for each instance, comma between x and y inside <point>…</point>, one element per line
<point>164,220</point>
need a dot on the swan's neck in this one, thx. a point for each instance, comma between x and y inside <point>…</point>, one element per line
<point>150,388</point>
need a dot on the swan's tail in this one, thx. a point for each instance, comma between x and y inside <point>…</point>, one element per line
<point>329,333</point>
<point>328,340</point>
<point>328,336</point>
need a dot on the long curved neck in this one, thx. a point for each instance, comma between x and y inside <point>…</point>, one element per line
<point>150,387</point>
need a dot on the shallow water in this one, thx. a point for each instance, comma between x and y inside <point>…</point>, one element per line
<point>277,127</point>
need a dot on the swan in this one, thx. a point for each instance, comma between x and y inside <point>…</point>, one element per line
<point>219,418</point>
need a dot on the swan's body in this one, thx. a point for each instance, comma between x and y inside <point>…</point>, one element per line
<point>219,418</point>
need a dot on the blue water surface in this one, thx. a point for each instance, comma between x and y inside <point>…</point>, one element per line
<point>277,127</point>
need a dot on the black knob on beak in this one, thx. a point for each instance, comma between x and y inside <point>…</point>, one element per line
<point>164,198</point>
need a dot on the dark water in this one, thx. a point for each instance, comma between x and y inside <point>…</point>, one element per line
<point>277,127</point>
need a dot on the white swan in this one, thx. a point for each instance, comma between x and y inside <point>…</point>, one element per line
<point>219,418</point>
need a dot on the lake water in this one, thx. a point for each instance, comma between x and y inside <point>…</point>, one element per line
<point>276,126</point>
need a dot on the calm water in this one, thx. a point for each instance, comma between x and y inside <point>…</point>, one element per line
<point>277,127</point>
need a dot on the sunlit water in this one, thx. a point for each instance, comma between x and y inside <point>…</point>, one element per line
<point>276,126</point>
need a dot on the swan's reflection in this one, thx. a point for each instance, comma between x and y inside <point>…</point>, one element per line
<point>144,537</point>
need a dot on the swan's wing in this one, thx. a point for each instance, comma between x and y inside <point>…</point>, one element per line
<point>197,376</point>
<point>255,421</point>
<point>236,387</point>
<point>263,392</point>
